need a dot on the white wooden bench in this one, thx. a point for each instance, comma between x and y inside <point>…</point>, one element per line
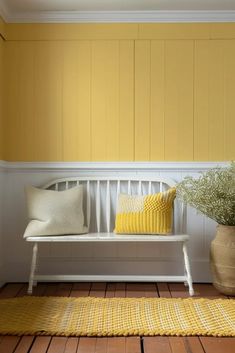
<point>100,197</point>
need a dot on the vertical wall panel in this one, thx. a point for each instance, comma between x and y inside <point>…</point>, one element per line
<point>142,100</point>
<point>11,123</point>
<point>33,128</point>
<point>164,100</point>
<point>179,100</point>
<point>157,108</point>
<point>229,118</point>
<point>126,101</point>
<point>76,101</point>
<point>201,107</point>
<point>214,100</point>
<point>48,100</point>
<point>105,100</point>
<point>111,74</point>
<point>112,97</point>
<point>25,109</point>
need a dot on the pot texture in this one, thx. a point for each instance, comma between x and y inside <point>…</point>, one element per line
<point>222,258</point>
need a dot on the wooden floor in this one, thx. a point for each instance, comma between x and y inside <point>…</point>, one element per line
<point>47,344</point>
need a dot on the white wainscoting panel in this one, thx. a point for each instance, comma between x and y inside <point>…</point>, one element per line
<point>96,258</point>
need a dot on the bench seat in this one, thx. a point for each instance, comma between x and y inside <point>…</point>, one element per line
<point>109,237</point>
<point>100,196</point>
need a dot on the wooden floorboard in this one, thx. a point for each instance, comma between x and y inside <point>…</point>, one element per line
<point>110,290</point>
<point>101,345</point>
<point>177,345</point>
<point>116,345</point>
<point>138,290</point>
<point>156,345</point>
<point>64,289</point>
<point>218,345</point>
<point>172,345</point>
<point>178,290</point>
<point>23,291</point>
<point>71,345</point>
<point>40,345</point>
<point>207,291</point>
<point>80,289</point>
<point>86,345</point>
<point>57,345</point>
<point>47,344</point>
<point>193,345</point>
<point>8,344</point>
<point>24,344</point>
<point>163,290</point>
<point>120,290</point>
<point>98,289</point>
<point>50,290</point>
<point>11,290</point>
<point>133,345</point>
<point>40,289</point>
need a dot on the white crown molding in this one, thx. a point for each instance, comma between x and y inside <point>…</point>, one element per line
<point>40,167</point>
<point>114,16</point>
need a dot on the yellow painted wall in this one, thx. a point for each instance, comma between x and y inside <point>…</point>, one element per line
<point>116,92</point>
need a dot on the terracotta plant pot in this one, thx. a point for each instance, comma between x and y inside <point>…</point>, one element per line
<point>222,258</point>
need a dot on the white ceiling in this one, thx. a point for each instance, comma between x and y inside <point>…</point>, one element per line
<point>117,10</point>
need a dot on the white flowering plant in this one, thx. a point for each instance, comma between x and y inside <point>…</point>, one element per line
<point>212,194</point>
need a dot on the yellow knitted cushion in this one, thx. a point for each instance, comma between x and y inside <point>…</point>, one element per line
<point>151,214</point>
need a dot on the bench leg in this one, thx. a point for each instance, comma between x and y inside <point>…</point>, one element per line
<point>33,267</point>
<point>187,269</point>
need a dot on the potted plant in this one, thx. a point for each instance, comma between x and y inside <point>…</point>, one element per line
<point>213,194</point>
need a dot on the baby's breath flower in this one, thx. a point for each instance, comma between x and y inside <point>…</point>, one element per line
<point>213,194</point>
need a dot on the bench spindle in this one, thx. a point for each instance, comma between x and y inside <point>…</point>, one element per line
<point>118,192</point>
<point>98,206</point>
<point>140,188</point>
<point>149,187</point>
<point>88,203</point>
<point>129,187</point>
<point>108,206</point>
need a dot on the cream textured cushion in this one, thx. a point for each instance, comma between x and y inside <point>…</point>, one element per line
<point>54,212</point>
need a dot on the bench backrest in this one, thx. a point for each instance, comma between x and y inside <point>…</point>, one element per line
<point>101,195</point>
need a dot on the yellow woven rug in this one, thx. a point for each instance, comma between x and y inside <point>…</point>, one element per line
<point>117,316</point>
